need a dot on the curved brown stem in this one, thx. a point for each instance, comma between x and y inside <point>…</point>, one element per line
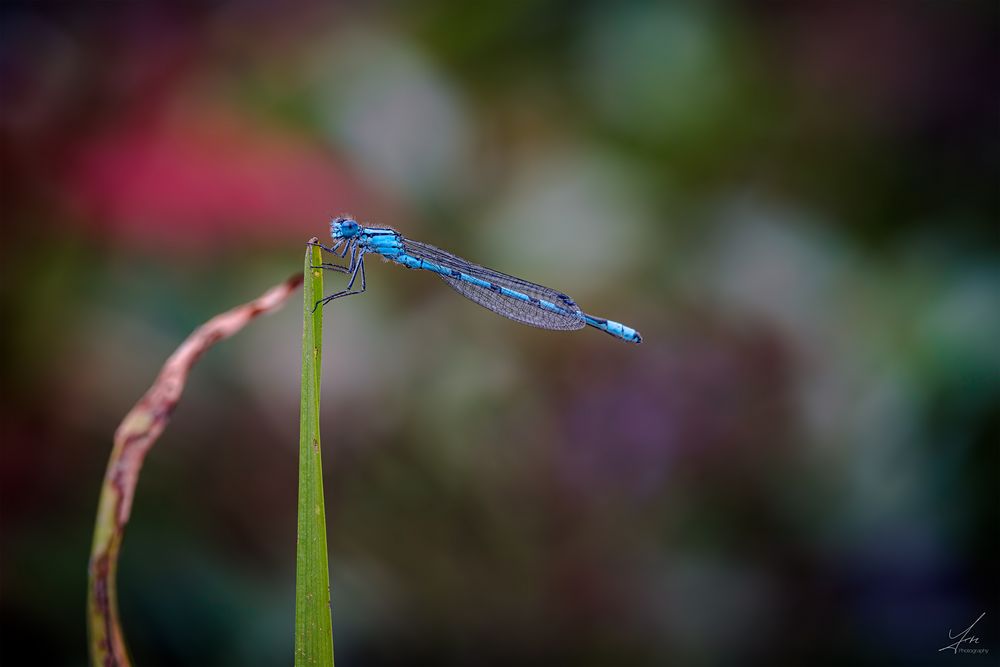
<point>135,436</point>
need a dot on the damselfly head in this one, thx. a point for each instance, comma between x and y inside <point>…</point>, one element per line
<point>344,228</point>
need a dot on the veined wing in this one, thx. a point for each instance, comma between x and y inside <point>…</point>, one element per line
<point>526,312</point>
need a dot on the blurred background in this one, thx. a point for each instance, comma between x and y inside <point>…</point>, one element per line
<point>795,203</point>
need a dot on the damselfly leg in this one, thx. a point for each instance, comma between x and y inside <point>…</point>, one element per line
<point>329,266</point>
<point>357,264</point>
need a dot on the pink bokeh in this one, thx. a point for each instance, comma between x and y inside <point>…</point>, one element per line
<point>202,177</point>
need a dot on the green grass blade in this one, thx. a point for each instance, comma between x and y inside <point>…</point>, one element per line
<point>313,627</point>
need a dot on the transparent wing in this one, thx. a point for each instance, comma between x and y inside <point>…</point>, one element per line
<point>511,308</point>
<point>514,309</point>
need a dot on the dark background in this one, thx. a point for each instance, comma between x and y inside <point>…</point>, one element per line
<point>795,203</point>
